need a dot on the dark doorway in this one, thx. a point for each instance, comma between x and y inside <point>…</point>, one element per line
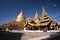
<point>35,27</point>
<point>43,27</point>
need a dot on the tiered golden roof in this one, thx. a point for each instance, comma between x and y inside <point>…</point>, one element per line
<point>45,19</point>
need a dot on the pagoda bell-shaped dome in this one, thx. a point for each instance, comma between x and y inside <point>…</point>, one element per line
<point>20,17</point>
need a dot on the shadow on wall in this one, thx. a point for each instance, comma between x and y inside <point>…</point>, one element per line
<point>10,36</point>
<point>55,36</point>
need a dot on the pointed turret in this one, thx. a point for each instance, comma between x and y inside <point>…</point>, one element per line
<point>21,14</point>
<point>45,19</point>
<point>44,12</point>
<point>20,17</point>
<point>36,15</point>
<point>37,18</point>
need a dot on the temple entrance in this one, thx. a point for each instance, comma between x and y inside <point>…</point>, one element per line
<point>35,27</point>
<point>43,28</point>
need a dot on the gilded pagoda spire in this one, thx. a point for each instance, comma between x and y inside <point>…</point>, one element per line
<point>37,18</point>
<point>45,18</point>
<point>44,12</point>
<point>21,14</point>
<point>36,15</point>
<point>20,17</point>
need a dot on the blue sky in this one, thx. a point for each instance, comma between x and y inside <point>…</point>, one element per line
<point>9,9</point>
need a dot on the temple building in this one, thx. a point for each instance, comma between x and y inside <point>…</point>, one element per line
<point>37,23</point>
<point>41,23</point>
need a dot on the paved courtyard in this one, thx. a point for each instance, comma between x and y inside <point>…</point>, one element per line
<point>31,35</point>
<point>21,35</point>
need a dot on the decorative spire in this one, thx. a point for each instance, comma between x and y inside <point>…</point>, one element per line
<point>36,15</point>
<point>21,14</point>
<point>45,16</point>
<point>44,12</point>
<point>20,17</point>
